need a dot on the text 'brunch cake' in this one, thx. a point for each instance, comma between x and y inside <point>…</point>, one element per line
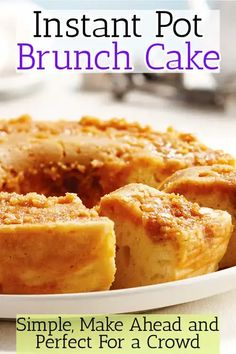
<point>93,157</point>
<point>53,245</point>
<point>210,186</point>
<point>163,237</point>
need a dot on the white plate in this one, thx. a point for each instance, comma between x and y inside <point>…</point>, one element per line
<point>121,301</point>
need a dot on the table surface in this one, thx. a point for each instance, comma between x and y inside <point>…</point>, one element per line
<point>59,98</point>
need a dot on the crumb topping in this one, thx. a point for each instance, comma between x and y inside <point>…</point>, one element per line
<point>33,208</point>
<point>120,139</point>
<point>163,215</point>
<point>219,176</point>
<point>217,171</point>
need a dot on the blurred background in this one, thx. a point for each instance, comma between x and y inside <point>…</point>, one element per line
<point>202,103</point>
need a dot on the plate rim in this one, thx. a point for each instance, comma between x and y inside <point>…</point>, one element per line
<point>122,292</point>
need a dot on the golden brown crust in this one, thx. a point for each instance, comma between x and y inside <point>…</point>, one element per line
<point>92,155</point>
<point>33,208</point>
<point>162,215</point>
<point>210,186</point>
<point>221,176</point>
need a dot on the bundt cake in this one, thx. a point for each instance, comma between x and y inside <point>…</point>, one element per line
<point>53,245</point>
<point>210,186</point>
<point>93,157</point>
<point>163,237</point>
<point>50,243</point>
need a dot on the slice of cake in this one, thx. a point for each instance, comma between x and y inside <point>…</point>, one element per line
<point>163,237</point>
<point>210,186</point>
<point>53,245</point>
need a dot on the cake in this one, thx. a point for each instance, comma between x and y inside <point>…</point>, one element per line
<point>53,245</point>
<point>163,237</point>
<point>210,186</point>
<point>93,157</point>
<point>50,242</point>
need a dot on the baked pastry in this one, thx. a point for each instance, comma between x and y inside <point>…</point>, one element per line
<point>93,157</point>
<point>210,186</point>
<point>57,245</point>
<point>53,245</point>
<point>163,237</point>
